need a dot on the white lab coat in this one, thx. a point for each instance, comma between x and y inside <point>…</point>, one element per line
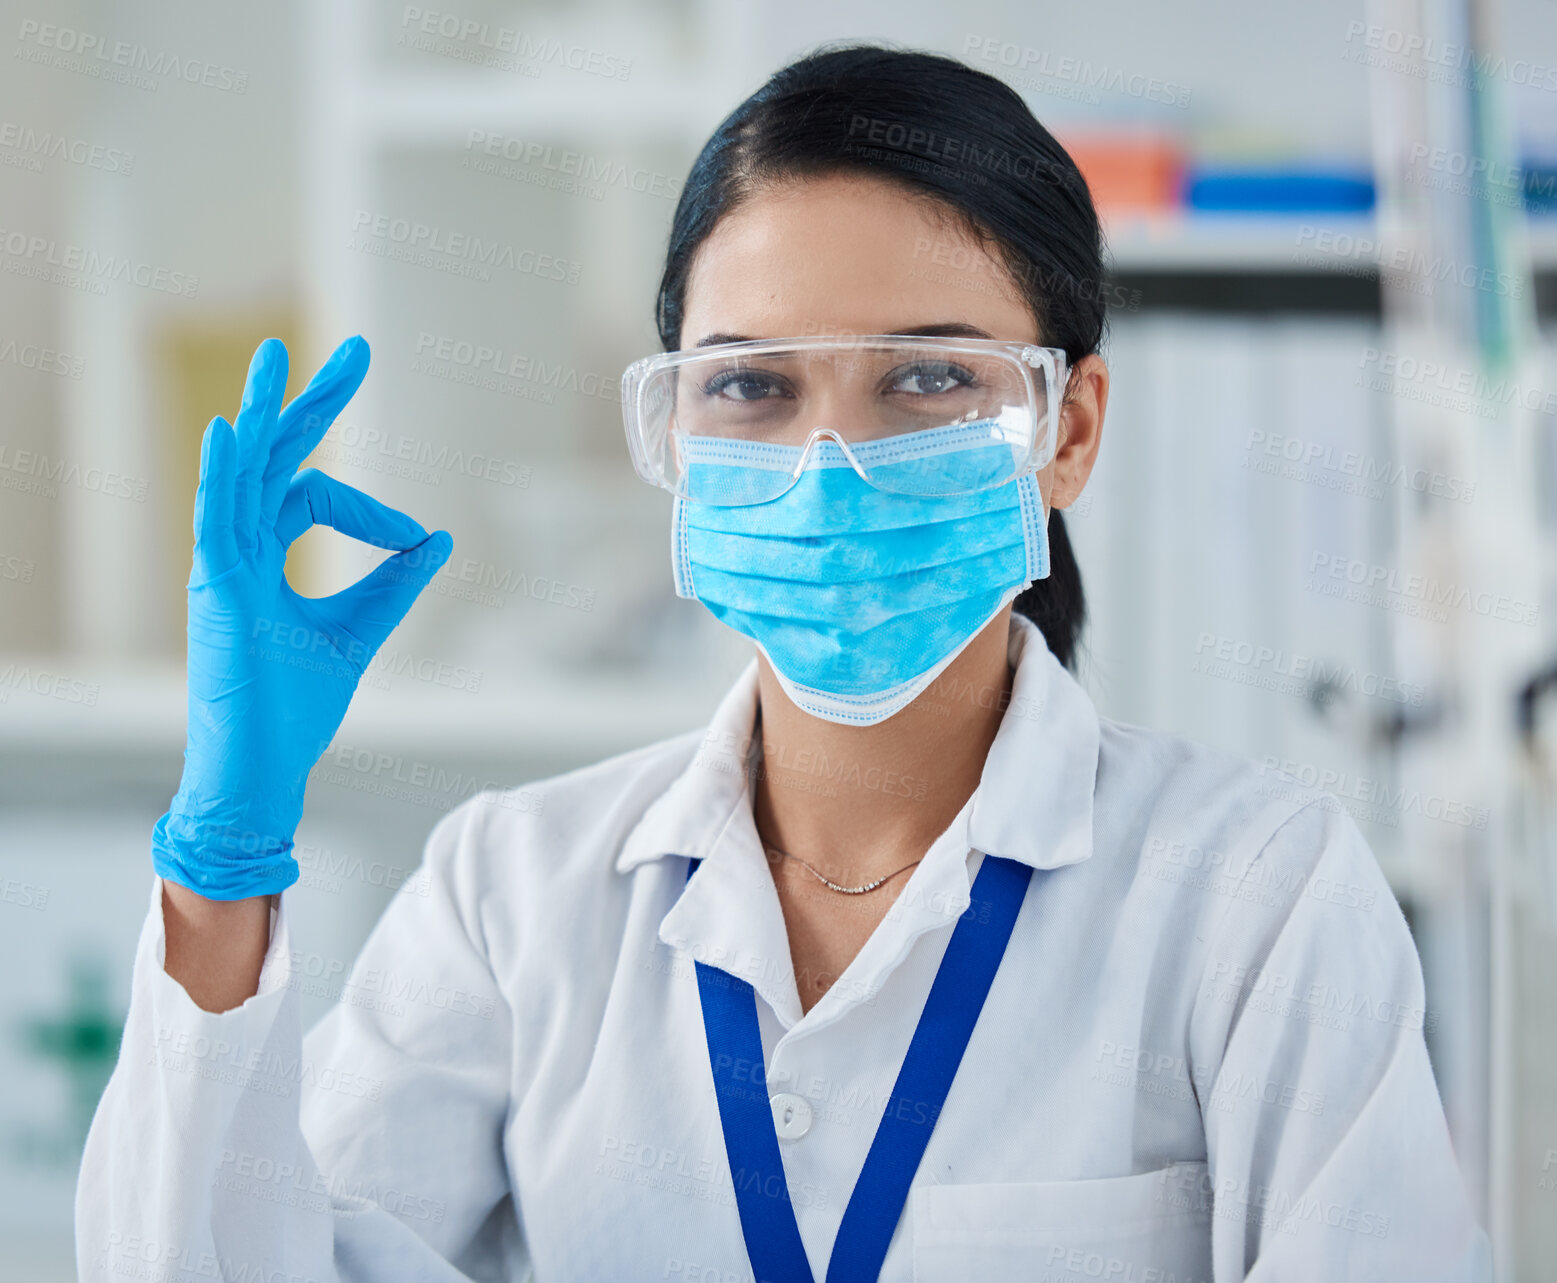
<point>1202,1057</point>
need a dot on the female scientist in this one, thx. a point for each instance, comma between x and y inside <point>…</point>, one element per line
<point>909,965</point>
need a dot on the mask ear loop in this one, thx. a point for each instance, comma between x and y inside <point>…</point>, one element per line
<point>1037,540</point>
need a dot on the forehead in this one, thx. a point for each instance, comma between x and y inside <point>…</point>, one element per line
<point>846,254</point>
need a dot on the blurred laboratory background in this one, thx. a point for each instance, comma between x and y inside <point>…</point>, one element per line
<point>1320,532</point>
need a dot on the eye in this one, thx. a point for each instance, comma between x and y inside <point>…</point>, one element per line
<point>930,378</point>
<point>743,385</point>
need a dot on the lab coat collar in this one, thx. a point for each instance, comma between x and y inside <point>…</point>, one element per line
<point>689,816</point>
<point>1035,797</point>
<point>1033,802</point>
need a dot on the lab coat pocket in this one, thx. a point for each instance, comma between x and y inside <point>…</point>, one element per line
<point>1150,1228</point>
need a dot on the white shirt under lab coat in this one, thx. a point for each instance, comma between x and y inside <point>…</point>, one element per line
<point>1202,1057</point>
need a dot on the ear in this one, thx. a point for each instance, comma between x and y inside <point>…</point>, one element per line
<point>1080,430</point>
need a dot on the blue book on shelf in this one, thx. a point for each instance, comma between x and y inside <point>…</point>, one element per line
<point>1278,191</point>
<point>1540,186</point>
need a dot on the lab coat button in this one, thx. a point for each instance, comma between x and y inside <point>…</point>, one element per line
<point>791,1115</point>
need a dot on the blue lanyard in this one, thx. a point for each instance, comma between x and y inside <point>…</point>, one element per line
<point>757,1167</point>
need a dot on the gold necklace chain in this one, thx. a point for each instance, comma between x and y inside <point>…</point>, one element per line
<point>833,886</point>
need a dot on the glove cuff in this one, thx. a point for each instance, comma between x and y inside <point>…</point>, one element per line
<point>219,861</point>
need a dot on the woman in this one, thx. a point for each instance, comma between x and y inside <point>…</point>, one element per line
<point>909,965</point>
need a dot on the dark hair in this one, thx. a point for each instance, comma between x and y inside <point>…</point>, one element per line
<point>941,129</point>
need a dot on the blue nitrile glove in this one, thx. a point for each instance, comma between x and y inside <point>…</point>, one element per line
<point>270,672</point>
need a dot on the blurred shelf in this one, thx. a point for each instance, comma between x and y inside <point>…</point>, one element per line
<point>1177,241</point>
<point>1543,242</point>
<point>1275,243</point>
<point>559,715</point>
<point>441,108</point>
<point>38,1256</point>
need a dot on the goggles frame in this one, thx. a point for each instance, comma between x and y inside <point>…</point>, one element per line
<point>648,455</point>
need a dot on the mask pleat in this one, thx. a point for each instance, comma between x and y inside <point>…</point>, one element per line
<point>854,591</point>
<point>862,604</point>
<point>852,662</point>
<point>836,501</point>
<point>869,555</point>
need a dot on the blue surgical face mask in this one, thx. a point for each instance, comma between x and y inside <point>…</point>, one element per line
<point>859,597</point>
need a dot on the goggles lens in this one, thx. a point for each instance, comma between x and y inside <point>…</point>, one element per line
<point>737,424</point>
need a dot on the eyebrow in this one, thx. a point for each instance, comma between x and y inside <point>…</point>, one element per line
<point>940,330</point>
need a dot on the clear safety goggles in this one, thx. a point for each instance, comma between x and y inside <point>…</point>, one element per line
<point>737,423</point>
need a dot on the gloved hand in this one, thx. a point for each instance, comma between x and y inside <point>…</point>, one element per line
<point>271,672</point>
